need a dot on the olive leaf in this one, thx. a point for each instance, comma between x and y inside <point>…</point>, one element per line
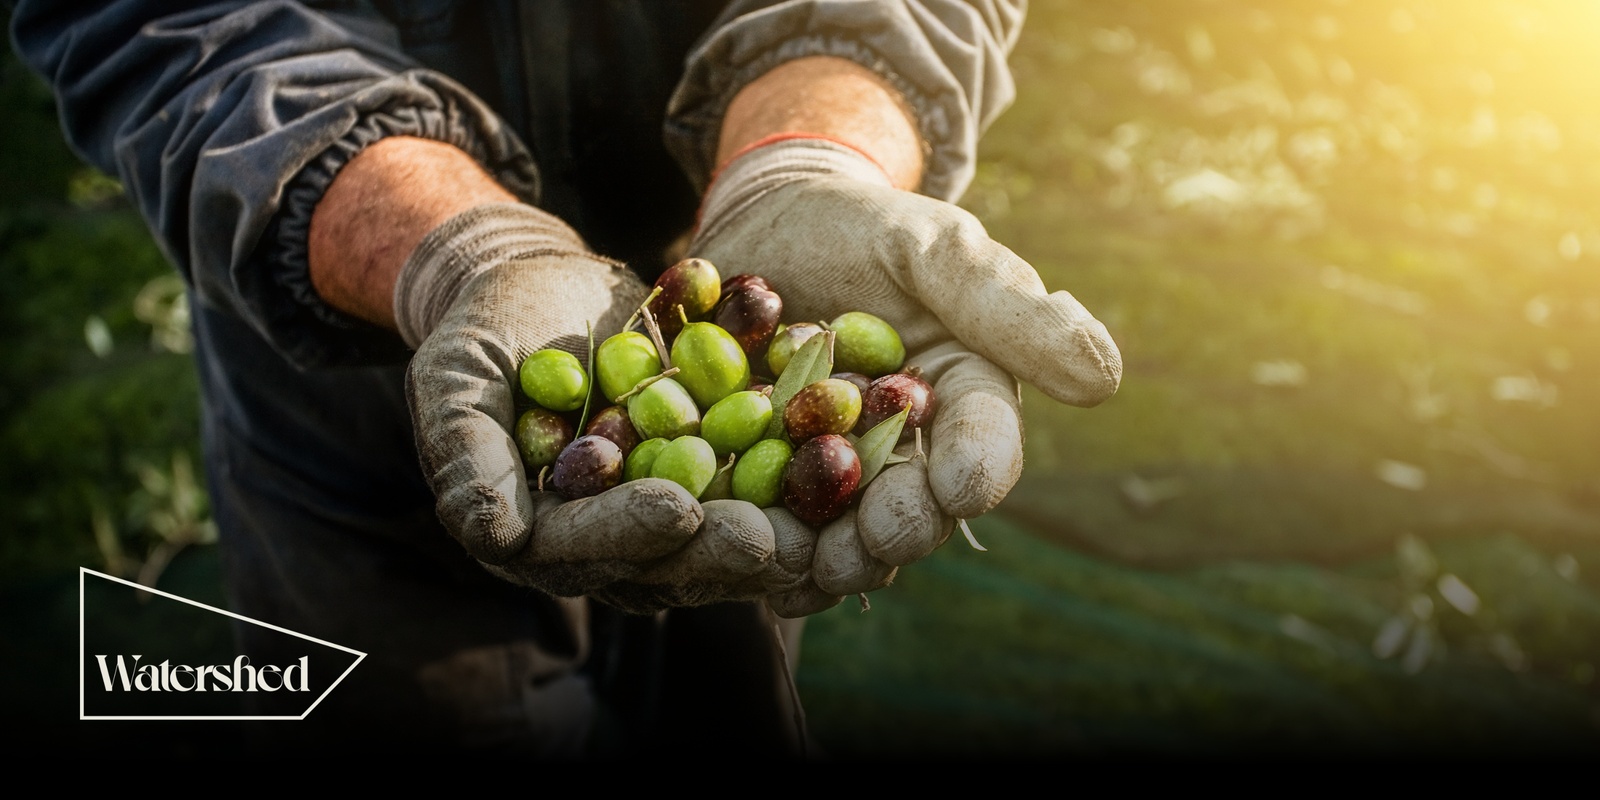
<point>876,445</point>
<point>583,419</point>
<point>809,364</point>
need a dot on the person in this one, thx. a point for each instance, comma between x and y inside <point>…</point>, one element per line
<point>381,207</point>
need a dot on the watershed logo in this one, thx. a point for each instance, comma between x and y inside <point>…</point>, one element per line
<point>145,654</point>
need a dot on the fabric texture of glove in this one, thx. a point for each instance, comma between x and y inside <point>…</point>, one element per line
<point>970,312</point>
<point>480,293</point>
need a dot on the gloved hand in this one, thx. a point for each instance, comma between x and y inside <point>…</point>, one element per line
<point>825,226</point>
<point>479,294</point>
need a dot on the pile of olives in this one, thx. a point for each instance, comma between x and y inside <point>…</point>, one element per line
<point>815,419</point>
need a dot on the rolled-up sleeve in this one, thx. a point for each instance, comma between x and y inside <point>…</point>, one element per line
<point>226,121</point>
<point>946,57</point>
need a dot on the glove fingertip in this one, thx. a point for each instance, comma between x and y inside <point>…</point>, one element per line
<point>489,525</point>
<point>900,521</point>
<point>1073,359</point>
<point>802,602</point>
<point>976,455</point>
<point>842,564</point>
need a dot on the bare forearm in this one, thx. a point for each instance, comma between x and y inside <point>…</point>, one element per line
<point>832,97</point>
<point>387,198</point>
<point>376,211</point>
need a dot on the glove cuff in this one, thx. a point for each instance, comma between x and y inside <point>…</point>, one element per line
<point>466,246</point>
<point>778,160</point>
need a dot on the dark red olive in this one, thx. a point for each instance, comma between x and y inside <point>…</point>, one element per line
<point>692,283</point>
<point>827,406</point>
<point>744,279</point>
<point>890,394</point>
<point>750,314</point>
<point>821,479</point>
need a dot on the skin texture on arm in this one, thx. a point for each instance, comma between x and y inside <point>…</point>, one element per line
<point>387,198</point>
<point>376,212</point>
<point>833,97</point>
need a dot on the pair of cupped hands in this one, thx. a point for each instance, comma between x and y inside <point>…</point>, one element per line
<point>972,315</point>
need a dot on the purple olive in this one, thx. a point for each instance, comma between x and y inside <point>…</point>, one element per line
<point>821,479</point>
<point>613,423</point>
<point>889,395</point>
<point>587,467</point>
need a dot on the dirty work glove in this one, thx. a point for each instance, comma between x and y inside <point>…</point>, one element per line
<point>824,224</point>
<point>478,295</point>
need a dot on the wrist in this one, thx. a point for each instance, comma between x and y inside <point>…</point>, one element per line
<point>781,159</point>
<point>836,99</point>
<point>465,246</point>
<point>378,208</point>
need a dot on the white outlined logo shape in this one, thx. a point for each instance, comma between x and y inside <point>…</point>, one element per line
<point>83,660</point>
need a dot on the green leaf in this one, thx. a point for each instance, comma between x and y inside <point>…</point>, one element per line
<point>877,445</point>
<point>583,419</point>
<point>809,364</point>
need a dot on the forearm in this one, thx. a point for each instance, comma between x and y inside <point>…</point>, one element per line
<point>397,190</point>
<point>378,209</point>
<point>832,97</point>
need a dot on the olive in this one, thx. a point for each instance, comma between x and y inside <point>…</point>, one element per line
<point>688,462</point>
<point>642,459</point>
<point>664,409</point>
<point>758,474</point>
<point>555,380</point>
<point>821,479</point>
<point>692,283</point>
<point>711,364</point>
<point>587,467</point>
<point>830,405</point>
<point>541,434</point>
<point>889,395</point>
<point>612,422</point>
<point>866,344</point>
<point>622,361</point>
<point>787,340</point>
<point>750,314</point>
<point>736,422</point>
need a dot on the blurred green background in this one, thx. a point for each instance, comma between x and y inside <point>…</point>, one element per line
<point>1347,499</point>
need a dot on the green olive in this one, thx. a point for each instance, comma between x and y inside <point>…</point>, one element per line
<point>866,344</point>
<point>622,361</point>
<point>758,475</point>
<point>712,364</point>
<point>555,380</point>
<point>787,340</point>
<point>642,459</point>
<point>664,409</point>
<point>688,462</point>
<point>736,422</point>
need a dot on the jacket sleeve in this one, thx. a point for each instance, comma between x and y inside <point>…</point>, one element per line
<point>946,57</point>
<point>226,121</point>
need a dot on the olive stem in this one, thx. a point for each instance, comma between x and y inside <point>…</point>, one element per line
<point>655,336</point>
<point>654,293</point>
<point>645,384</point>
